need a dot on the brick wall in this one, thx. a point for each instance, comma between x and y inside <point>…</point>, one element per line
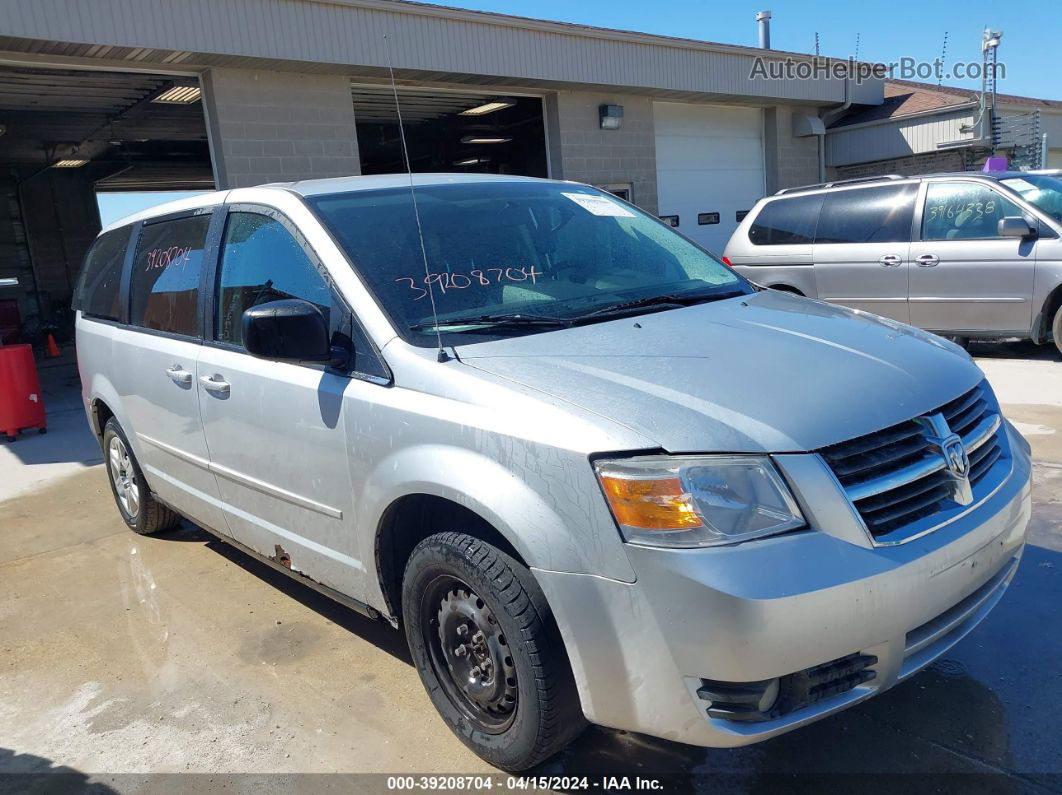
<point>926,163</point>
<point>580,150</point>
<point>277,126</point>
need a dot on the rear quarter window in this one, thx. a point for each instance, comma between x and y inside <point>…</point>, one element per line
<point>164,287</point>
<point>788,221</point>
<point>100,282</point>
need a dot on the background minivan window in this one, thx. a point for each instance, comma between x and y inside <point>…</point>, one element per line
<point>101,276</point>
<point>867,215</point>
<point>260,262</point>
<point>786,221</point>
<point>964,211</point>
<point>166,270</point>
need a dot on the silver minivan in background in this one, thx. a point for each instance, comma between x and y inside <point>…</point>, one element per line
<point>593,473</point>
<point>964,255</point>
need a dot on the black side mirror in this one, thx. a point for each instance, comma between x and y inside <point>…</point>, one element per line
<point>1015,226</point>
<point>290,330</point>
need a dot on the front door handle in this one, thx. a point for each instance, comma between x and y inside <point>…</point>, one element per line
<point>215,384</point>
<point>179,375</point>
<point>890,261</point>
<point>928,261</point>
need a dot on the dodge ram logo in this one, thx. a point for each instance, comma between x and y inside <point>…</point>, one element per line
<point>956,461</point>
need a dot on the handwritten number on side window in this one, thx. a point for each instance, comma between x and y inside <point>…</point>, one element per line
<point>475,278</point>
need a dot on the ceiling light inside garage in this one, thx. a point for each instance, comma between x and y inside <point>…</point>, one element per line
<point>179,95</point>
<point>472,161</point>
<point>477,139</point>
<point>488,107</point>
<point>69,163</point>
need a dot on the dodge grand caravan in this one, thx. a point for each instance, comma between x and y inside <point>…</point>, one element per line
<point>966,255</point>
<point>593,473</point>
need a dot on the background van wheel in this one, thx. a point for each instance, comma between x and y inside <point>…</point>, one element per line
<point>488,651</point>
<point>1056,329</point>
<point>142,512</point>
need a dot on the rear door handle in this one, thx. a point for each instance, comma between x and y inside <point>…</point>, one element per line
<point>928,261</point>
<point>179,375</point>
<point>215,384</point>
<point>890,260</point>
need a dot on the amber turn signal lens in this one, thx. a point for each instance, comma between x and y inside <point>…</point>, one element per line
<point>650,504</point>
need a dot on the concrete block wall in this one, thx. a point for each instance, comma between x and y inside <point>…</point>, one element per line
<point>580,150</point>
<point>267,126</point>
<point>788,161</point>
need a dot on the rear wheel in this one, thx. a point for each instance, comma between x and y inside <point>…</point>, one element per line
<point>488,651</point>
<point>142,512</point>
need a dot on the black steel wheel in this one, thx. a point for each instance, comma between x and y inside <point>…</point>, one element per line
<point>488,651</point>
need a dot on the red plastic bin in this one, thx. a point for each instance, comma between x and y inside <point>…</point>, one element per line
<point>21,403</point>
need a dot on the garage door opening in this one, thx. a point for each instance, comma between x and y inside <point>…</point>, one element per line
<point>449,131</point>
<point>64,136</point>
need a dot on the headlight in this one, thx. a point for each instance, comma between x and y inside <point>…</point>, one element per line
<point>697,501</point>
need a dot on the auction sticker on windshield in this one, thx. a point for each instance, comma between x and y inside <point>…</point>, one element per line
<point>599,205</point>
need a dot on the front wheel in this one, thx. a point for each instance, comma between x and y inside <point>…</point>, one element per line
<point>488,651</point>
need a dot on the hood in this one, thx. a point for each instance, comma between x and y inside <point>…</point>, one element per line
<point>768,372</point>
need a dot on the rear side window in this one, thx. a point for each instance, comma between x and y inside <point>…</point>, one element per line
<point>868,215</point>
<point>101,276</point>
<point>164,289</point>
<point>786,221</point>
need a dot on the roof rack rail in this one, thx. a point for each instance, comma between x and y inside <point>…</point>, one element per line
<point>835,182</point>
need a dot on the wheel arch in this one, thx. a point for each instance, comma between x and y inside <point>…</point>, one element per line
<point>1041,331</point>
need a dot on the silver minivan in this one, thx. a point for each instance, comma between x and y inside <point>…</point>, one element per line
<point>965,255</point>
<point>594,474</point>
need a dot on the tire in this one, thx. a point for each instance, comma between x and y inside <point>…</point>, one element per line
<point>140,510</point>
<point>522,706</point>
<point>1056,329</point>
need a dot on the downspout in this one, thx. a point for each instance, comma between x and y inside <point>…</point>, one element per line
<point>827,119</point>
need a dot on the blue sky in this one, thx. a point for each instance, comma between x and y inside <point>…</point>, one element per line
<point>887,31</point>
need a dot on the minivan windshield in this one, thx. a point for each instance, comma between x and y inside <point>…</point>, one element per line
<point>507,258</point>
<point>1040,190</point>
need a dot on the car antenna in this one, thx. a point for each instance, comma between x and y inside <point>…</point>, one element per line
<point>413,195</point>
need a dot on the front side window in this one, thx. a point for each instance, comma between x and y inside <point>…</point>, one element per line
<point>164,289</point>
<point>789,221</point>
<point>501,254</point>
<point>101,276</point>
<point>964,211</point>
<point>867,215</point>
<point>262,262</point>
<point>1040,190</point>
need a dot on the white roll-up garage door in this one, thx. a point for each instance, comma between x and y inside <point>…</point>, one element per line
<point>709,167</point>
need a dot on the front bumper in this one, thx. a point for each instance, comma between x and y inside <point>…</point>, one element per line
<point>640,651</point>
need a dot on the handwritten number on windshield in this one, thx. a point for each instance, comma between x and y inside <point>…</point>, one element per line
<point>474,278</point>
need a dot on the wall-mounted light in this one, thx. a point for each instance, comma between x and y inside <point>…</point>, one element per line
<point>611,116</point>
<point>488,107</point>
<point>472,161</point>
<point>484,139</point>
<point>72,162</point>
<point>179,95</point>
<point>9,282</point>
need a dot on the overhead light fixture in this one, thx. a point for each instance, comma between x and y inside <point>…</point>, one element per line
<point>72,162</point>
<point>9,281</point>
<point>472,161</point>
<point>484,139</point>
<point>611,116</point>
<point>179,95</point>
<point>488,107</point>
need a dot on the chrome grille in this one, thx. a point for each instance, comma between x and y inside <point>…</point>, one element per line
<point>897,476</point>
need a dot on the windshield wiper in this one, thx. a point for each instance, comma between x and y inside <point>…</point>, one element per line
<point>660,301</point>
<point>494,321</point>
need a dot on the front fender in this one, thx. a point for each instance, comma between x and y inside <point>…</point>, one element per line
<point>550,509</point>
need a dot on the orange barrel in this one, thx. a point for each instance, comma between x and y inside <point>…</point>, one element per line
<point>21,403</point>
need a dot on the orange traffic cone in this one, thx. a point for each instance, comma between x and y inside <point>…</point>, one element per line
<point>52,349</point>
